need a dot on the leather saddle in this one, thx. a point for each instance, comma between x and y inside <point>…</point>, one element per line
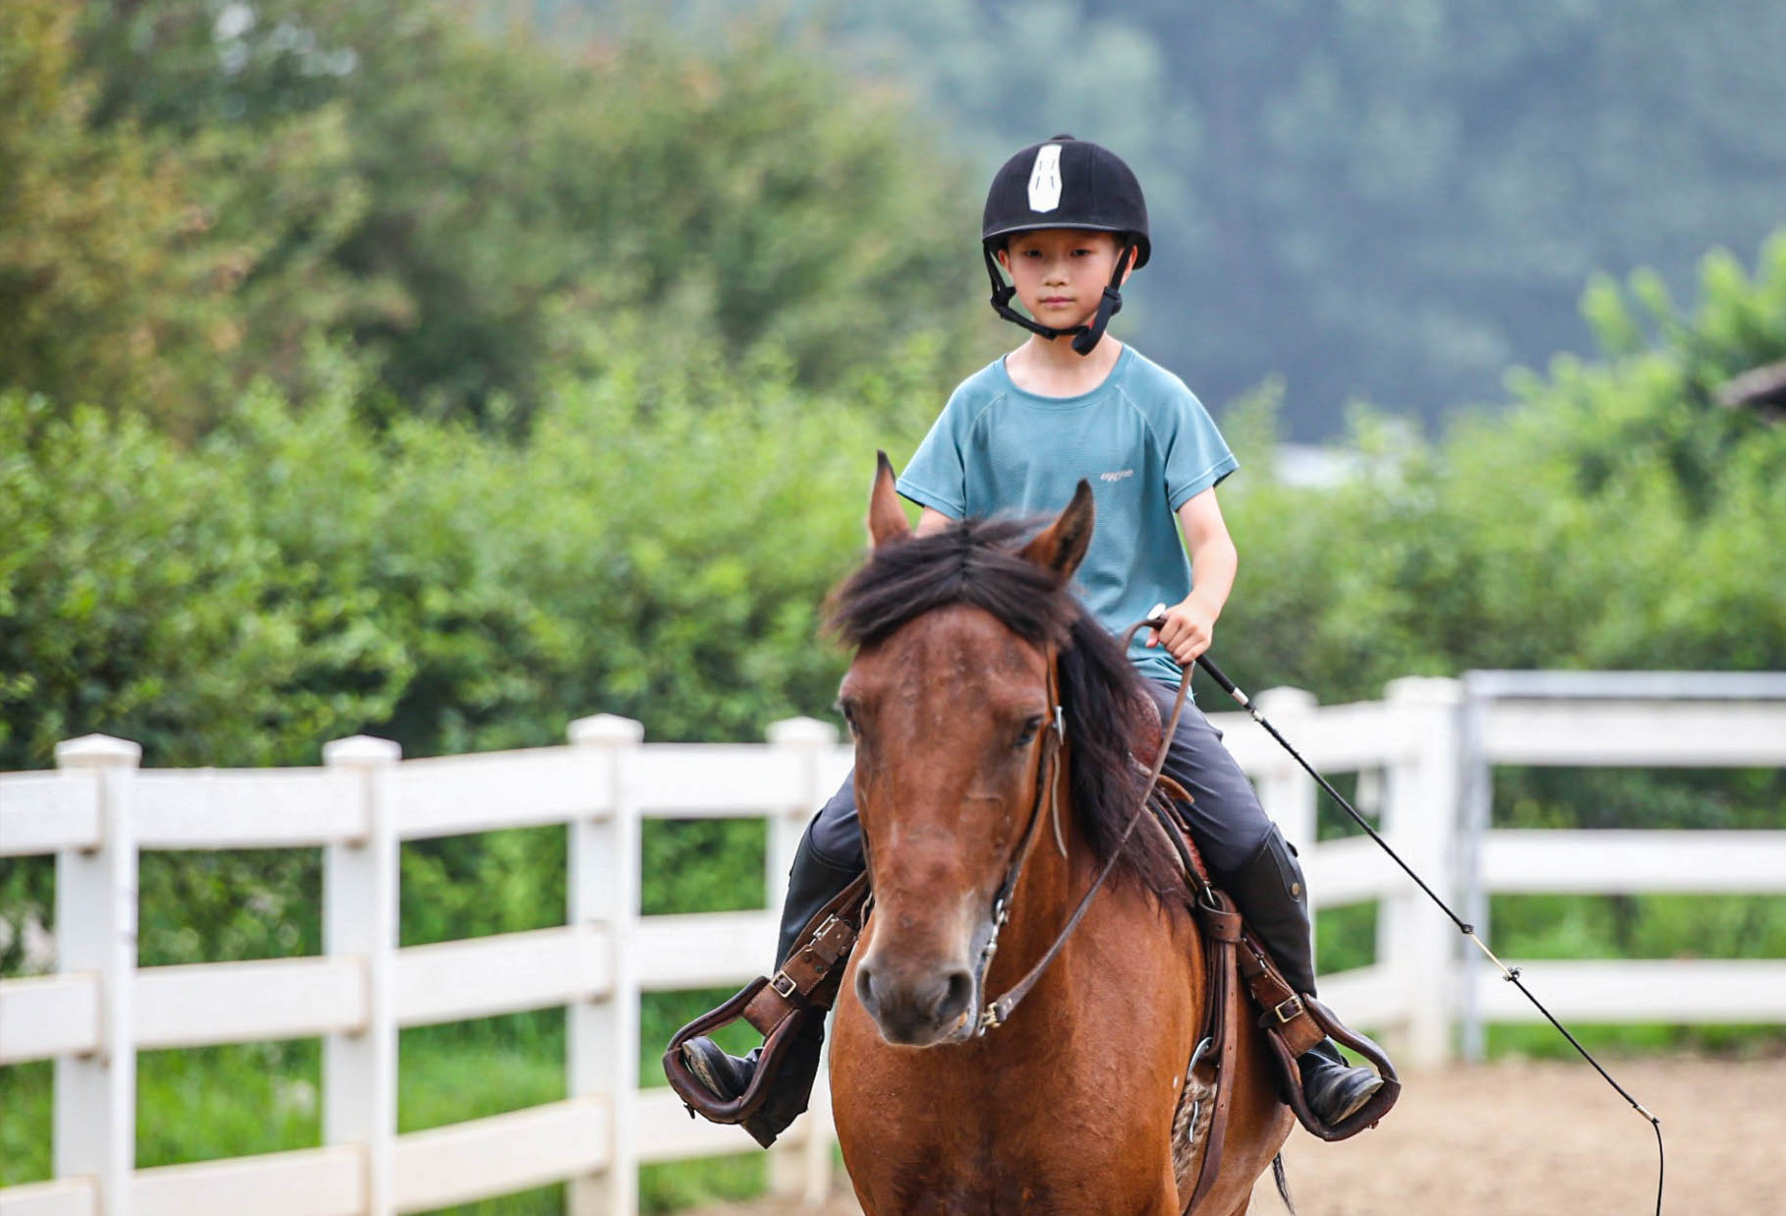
<point>807,984</point>
<point>1293,1022</point>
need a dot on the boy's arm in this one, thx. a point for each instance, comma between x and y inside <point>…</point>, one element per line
<point>932,520</point>
<point>1190,624</point>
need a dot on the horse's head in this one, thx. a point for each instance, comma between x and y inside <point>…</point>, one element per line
<point>952,700</point>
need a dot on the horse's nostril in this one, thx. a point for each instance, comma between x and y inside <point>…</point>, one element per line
<point>957,992</point>
<point>865,990</point>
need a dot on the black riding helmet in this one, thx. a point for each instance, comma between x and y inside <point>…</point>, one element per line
<point>1065,183</point>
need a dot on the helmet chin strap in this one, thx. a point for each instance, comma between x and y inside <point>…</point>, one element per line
<point>1085,337</point>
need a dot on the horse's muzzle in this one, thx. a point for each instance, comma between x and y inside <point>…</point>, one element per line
<point>917,1007</point>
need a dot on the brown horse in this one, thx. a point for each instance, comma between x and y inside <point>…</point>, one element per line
<point>967,643</point>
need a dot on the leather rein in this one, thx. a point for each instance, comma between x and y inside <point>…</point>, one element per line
<point>996,1012</point>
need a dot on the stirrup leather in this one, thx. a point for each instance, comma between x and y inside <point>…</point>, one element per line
<point>1293,1021</point>
<point>805,986</point>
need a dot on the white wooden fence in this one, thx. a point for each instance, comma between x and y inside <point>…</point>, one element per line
<point>1423,754</point>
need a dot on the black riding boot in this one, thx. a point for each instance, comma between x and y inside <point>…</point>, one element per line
<point>813,882</point>
<point>1270,892</point>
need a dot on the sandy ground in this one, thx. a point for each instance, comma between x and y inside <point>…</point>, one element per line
<point>1541,1138</point>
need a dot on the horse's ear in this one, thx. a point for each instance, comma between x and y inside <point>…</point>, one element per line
<point>1061,546</point>
<point>886,522</point>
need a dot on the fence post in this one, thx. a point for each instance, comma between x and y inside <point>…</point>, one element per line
<point>1416,943</point>
<point>801,1168</point>
<point>1475,818</point>
<point>359,1070</point>
<point>96,920</point>
<point>602,1036</point>
<point>1284,789</point>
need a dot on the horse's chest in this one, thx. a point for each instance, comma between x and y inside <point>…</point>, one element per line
<point>943,1179</point>
<point>1004,1148</point>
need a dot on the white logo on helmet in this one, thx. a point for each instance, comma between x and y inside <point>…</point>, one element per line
<point>1044,179</point>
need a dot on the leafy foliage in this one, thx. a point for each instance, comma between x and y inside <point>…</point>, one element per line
<point>91,228</point>
<point>203,195</point>
<point>1613,517</point>
<point>657,548</point>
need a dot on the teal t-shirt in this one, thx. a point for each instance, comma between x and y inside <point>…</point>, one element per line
<point>1141,438</point>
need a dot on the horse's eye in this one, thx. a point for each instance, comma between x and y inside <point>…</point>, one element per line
<point>849,718</point>
<point>1027,735</point>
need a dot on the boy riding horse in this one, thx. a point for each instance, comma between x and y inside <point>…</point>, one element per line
<point>1066,220</point>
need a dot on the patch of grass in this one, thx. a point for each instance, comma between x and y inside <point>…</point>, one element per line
<point>202,1103</point>
<point>1544,1043</point>
<point>1346,936</point>
<point>25,1122</point>
<point>471,1070</point>
<point>1638,926</point>
<point>682,1184</point>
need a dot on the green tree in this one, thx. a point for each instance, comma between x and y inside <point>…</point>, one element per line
<point>474,209</point>
<point>1614,516</point>
<point>91,226</point>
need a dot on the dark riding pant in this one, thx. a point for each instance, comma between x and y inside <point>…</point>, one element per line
<point>1226,820</point>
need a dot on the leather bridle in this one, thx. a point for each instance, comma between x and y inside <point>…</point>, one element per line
<point>996,1012</point>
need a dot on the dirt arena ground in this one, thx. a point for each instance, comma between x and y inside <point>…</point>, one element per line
<point>1542,1138</point>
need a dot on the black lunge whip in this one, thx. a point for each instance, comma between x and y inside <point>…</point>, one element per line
<point>1510,974</point>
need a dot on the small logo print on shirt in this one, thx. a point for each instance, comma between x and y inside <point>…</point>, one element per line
<point>1116,476</point>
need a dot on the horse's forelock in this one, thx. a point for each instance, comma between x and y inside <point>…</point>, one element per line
<point>970,562</point>
<point>975,562</point>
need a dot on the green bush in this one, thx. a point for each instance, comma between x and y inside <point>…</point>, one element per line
<point>658,547</point>
<point>1615,516</point>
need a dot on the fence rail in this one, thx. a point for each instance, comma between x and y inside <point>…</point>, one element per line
<point>1425,754</point>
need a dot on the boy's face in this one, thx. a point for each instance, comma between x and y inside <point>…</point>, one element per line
<point>1060,273</point>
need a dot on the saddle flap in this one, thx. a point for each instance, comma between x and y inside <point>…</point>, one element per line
<point>1150,731</point>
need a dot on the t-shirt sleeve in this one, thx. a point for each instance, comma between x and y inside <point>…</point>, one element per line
<point>936,475</point>
<point>1197,457</point>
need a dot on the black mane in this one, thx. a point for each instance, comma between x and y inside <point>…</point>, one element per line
<point>976,562</point>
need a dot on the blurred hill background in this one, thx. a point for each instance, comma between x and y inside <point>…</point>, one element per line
<point>446,371</point>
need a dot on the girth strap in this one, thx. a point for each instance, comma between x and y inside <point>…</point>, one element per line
<point>1293,1022</point>
<point>1222,928</point>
